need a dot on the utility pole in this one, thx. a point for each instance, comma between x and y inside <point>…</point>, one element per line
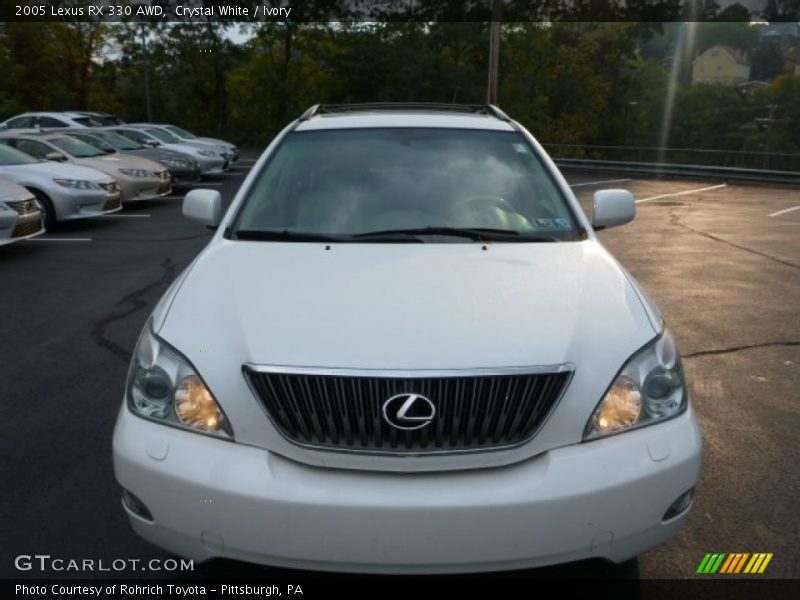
<point>494,52</point>
<point>769,122</point>
<point>146,65</point>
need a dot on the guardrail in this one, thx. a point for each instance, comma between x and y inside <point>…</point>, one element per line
<point>692,171</point>
<point>738,159</point>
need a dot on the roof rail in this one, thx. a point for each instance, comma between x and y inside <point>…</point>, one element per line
<point>482,109</point>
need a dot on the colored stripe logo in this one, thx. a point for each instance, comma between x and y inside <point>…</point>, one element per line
<point>734,563</point>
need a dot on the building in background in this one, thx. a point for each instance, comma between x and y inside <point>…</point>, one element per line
<point>721,65</point>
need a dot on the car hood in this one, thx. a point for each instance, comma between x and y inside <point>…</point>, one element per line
<point>187,149</point>
<point>158,154</point>
<point>407,306</point>
<point>112,162</point>
<point>10,191</point>
<point>53,170</point>
<point>222,143</point>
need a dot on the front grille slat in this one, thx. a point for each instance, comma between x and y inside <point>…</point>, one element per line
<point>345,412</point>
<point>28,228</point>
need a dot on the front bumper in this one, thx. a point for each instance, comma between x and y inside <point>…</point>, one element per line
<point>213,498</point>
<point>182,176</point>
<point>15,227</point>
<point>144,188</point>
<point>73,204</point>
<point>212,166</point>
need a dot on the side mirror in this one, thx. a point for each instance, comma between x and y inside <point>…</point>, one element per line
<point>203,206</point>
<point>612,208</point>
<point>55,156</point>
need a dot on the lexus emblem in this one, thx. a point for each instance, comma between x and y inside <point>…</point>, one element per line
<point>408,411</point>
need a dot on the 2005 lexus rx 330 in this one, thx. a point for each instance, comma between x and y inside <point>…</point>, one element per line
<point>405,350</point>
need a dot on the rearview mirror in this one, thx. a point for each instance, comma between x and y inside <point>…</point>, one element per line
<point>612,208</point>
<point>55,156</point>
<point>203,206</point>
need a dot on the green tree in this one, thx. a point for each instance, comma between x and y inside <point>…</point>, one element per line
<point>767,61</point>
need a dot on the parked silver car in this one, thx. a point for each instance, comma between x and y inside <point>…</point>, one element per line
<point>183,169</point>
<point>165,137</point>
<point>138,178</point>
<point>210,161</point>
<point>63,191</point>
<point>20,215</point>
<point>189,137</point>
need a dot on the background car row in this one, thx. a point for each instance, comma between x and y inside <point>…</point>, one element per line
<point>60,166</point>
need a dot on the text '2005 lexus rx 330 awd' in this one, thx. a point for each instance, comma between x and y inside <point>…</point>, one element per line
<point>404,350</point>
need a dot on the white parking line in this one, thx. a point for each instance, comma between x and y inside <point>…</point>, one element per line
<point>684,193</point>
<point>126,216</point>
<point>49,239</point>
<point>599,182</point>
<point>784,211</point>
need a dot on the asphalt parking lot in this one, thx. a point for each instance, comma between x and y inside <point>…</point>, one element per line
<point>719,261</point>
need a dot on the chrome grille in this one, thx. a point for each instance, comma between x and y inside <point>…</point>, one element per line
<point>23,207</point>
<point>110,187</point>
<point>344,412</point>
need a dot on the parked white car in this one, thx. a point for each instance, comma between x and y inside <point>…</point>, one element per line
<point>63,191</point>
<point>405,350</point>
<point>20,216</point>
<point>53,120</point>
<point>138,178</point>
<point>210,161</point>
<point>188,137</point>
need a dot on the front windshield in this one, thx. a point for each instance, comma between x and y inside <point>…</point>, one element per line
<point>11,156</point>
<point>137,136</point>
<point>120,142</point>
<point>96,141</point>
<point>76,148</point>
<point>180,132</point>
<point>162,135</point>
<point>352,182</point>
<point>87,121</point>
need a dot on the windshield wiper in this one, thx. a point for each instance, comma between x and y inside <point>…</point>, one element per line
<point>477,234</point>
<point>284,236</point>
<point>300,236</point>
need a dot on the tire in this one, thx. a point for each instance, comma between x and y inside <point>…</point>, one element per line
<point>46,206</point>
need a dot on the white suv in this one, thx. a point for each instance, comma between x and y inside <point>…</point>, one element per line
<point>405,350</point>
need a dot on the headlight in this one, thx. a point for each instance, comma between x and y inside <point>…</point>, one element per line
<point>182,164</point>
<point>137,172</point>
<point>77,184</point>
<point>206,153</point>
<point>650,388</point>
<point>163,386</point>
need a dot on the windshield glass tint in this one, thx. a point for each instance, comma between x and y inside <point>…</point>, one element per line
<point>12,156</point>
<point>76,148</point>
<point>181,132</point>
<point>95,141</point>
<point>136,135</point>
<point>88,121</point>
<point>163,135</point>
<point>348,182</point>
<point>120,142</point>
